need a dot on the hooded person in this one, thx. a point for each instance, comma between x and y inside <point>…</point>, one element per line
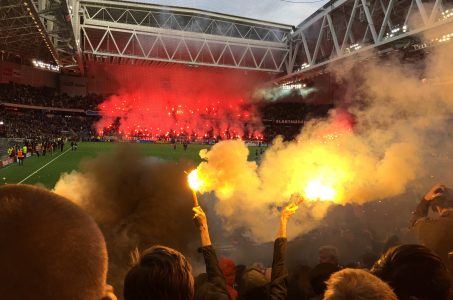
<point>228,268</point>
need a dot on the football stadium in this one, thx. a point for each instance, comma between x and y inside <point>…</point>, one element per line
<point>314,137</point>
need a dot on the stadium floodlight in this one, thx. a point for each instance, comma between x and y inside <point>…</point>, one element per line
<point>45,66</point>
<point>447,14</point>
<point>1,123</point>
<point>304,66</point>
<point>445,38</point>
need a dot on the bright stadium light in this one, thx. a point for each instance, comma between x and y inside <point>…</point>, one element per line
<point>304,66</point>
<point>1,123</point>
<point>445,38</point>
<point>447,14</point>
<point>396,31</point>
<point>45,66</point>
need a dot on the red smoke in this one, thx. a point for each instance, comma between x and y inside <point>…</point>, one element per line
<point>174,101</point>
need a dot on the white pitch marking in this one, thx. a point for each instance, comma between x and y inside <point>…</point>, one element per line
<point>43,167</point>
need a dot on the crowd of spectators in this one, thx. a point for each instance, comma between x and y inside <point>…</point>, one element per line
<point>39,124</point>
<point>41,121</point>
<point>45,96</point>
<point>51,249</point>
<point>281,118</point>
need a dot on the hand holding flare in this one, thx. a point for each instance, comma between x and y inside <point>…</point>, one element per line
<point>287,212</point>
<point>201,222</point>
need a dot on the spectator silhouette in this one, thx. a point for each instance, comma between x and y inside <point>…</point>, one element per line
<point>435,233</point>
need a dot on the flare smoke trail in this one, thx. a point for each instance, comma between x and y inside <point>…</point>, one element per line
<point>137,202</point>
<point>401,134</point>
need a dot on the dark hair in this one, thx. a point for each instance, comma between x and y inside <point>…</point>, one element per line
<point>319,275</point>
<point>252,285</point>
<point>240,270</point>
<point>50,248</point>
<point>159,273</point>
<point>414,271</point>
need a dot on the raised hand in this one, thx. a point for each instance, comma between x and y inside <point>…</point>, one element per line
<point>286,214</point>
<point>201,222</point>
<point>435,191</point>
<point>289,211</point>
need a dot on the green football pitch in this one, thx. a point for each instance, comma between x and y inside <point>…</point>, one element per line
<point>46,170</point>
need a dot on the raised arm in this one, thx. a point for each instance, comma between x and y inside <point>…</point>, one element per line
<point>286,214</point>
<point>422,209</point>
<point>278,285</point>
<point>215,275</point>
<point>202,225</point>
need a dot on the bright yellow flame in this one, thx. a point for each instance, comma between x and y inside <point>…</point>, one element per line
<point>195,183</point>
<point>316,190</point>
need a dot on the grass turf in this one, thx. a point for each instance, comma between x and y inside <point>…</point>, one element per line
<point>70,160</point>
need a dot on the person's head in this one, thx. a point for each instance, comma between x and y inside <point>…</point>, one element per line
<point>299,283</point>
<point>414,272</point>
<point>357,284</point>
<point>319,275</point>
<point>328,254</point>
<point>159,273</point>
<point>228,268</point>
<point>50,248</point>
<point>252,284</point>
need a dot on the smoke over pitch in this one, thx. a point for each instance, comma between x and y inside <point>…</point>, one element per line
<point>137,202</point>
<point>198,102</point>
<point>400,135</point>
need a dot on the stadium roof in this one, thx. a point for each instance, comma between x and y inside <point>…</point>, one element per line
<point>192,11</point>
<point>290,12</point>
<point>54,31</point>
<point>22,32</point>
<point>125,32</point>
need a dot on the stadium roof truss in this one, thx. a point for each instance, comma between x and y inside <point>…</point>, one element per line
<point>22,32</point>
<point>126,32</point>
<point>343,28</point>
<point>39,29</point>
<point>56,16</point>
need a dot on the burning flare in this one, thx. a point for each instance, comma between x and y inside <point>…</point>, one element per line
<point>195,183</point>
<point>316,190</point>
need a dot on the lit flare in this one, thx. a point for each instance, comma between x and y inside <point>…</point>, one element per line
<point>195,183</point>
<point>317,190</point>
